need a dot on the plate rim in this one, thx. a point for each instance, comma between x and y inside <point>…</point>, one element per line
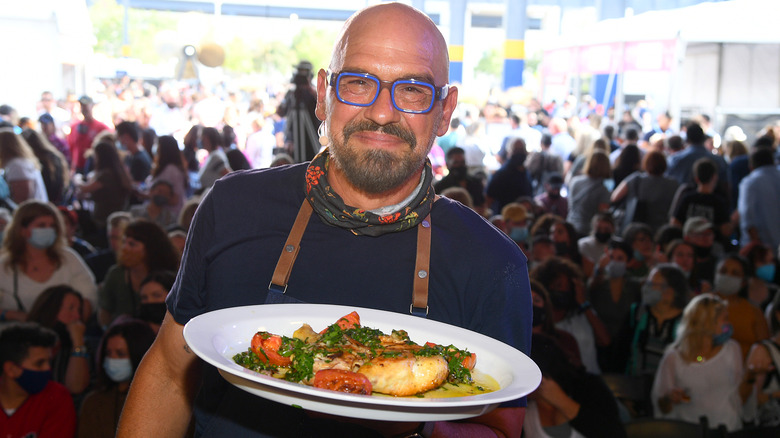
<point>504,394</point>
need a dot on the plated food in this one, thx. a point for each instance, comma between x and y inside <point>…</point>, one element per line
<point>347,357</point>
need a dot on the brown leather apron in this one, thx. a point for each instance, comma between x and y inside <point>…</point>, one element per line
<point>278,287</point>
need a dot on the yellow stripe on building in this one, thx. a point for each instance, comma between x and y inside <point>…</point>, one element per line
<point>514,49</point>
<point>456,53</point>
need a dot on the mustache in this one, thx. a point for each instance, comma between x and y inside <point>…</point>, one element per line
<point>370,126</point>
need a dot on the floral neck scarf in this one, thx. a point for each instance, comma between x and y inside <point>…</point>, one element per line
<point>332,209</point>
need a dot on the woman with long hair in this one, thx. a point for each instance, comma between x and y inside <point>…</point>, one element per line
<point>701,373</point>
<point>169,166</point>
<point>21,168</point>
<point>35,257</point>
<point>571,311</point>
<point>110,187</point>
<point>587,193</point>
<point>54,167</point>
<point>59,308</point>
<point>121,350</point>
<point>145,248</point>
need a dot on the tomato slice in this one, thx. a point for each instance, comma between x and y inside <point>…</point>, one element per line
<point>266,346</point>
<point>469,362</point>
<point>342,381</point>
<point>347,322</point>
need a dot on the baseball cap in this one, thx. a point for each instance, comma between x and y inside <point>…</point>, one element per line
<point>514,212</point>
<point>46,118</point>
<point>86,100</point>
<point>696,224</point>
<point>304,65</point>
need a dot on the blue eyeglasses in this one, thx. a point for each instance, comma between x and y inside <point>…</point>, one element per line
<point>408,95</point>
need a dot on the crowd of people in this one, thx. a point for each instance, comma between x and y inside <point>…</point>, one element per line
<point>652,252</point>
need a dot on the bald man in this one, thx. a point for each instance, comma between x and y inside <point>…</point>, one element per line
<point>383,100</point>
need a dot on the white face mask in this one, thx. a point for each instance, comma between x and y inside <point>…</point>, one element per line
<point>615,269</point>
<point>727,284</point>
<point>118,370</point>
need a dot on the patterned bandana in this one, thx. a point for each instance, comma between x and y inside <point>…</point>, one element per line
<point>332,209</point>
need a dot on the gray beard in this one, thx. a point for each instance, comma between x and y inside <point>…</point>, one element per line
<point>377,171</point>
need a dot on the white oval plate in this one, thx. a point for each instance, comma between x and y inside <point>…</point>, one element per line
<point>217,336</point>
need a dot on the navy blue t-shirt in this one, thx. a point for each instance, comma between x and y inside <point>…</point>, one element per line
<point>478,276</point>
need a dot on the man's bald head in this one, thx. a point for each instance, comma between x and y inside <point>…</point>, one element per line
<point>390,24</point>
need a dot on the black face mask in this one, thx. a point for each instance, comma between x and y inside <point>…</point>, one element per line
<point>152,312</point>
<point>458,172</point>
<point>603,237</point>
<point>561,248</point>
<point>702,251</point>
<point>540,315</point>
<point>563,299</point>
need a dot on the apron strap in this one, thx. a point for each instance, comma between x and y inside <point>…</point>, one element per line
<point>419,306</point>
<point>290,251</point>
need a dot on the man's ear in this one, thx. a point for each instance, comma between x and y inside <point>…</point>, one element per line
<point>11,370</point>
<point>448,107</point>
<point>322,91</point>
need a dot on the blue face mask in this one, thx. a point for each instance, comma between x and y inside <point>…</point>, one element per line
<point>639,256</point>
<point>43,238</point>
<point>118,370</point>
<point>725,334</point>
<point>33,381</point>
<point>519,234</point>
<point>766,272</point>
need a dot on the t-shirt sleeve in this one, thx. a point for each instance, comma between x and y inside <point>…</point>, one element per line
<point>82,278</point>
<point>187,297</point>
<point>19,170</point>
<point>664,379</point>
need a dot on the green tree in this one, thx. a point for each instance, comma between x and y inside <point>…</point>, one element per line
<point>108,24</point>
<point>239,56</point>
<point>313,45</point>
<point>273,56</point>
<point>491,63</point>
<point>106,16</point>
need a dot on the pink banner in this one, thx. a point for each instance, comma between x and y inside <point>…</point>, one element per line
<point>611,58</point>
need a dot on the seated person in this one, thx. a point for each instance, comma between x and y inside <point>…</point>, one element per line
<point>34,405</point>
<point>160,195</point>
<point>569,402</point>
<point>154,290</point>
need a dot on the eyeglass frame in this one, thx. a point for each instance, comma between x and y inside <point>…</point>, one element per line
<point>439,93</point>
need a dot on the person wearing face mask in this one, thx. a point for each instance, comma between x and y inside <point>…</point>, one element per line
<point>639,238</point>
<point>564,237</point>
<point>551,201</point>
<point>764,361</point>
<point>458,176</point>
<point>612,294</point>
<point>701,373</point>
<point>516,223</point>
<point>731,284</point>
<point>765,283</point>
<point>35,257</point>
<point>145,248</point>
<point>510,181</point>
<point>699,233</point>
<point>154,210</point>
<point>153,291</point>
<point>34,405</point>
<point>59,308</point>
<point>543,324</point>
<point>571,311</point>
<point>655,318</point>
<point>593,246</point>
<point>121,350</point>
